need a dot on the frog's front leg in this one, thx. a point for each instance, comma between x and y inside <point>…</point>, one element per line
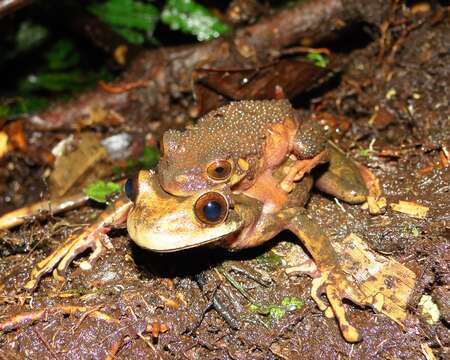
<point>332,281</point>
<point>92,237</point>
<point>309,149</point>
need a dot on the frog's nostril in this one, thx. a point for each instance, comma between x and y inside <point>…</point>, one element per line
<point>211,208</point>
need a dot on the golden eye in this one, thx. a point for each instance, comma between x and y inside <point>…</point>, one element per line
<point>211,208</point>
<point>219,170</point>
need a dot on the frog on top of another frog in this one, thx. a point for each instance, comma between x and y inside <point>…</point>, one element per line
<point>235,179</point>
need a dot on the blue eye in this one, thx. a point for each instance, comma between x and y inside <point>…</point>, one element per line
<point>211,208</point>
<point>130,188</point>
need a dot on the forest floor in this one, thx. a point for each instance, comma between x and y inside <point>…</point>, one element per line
<point>397,105</point>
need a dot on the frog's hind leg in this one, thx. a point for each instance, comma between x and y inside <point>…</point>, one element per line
<point>332,281</point>
<point>343,178</point>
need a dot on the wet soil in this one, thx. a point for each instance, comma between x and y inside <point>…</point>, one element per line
<point>398,101</point>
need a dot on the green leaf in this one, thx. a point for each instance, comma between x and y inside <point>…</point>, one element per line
<point>193,18</point>
<point>318,59</point>
<point>56,82</point>
<point>101,190</point>
<point>30,35</point>
<point>4,111</point>
<point>292,303</point>
<point>148,160</point>
<point>62,81</point>
<point>276,312</point>
<point>22,105</point>
<point>62,55</point>
<point>133,19</point>
<point>364,152</point>
<point>62,72</point>
<point>269,260</point>
<point>132,36</point>
<point>149,157</point>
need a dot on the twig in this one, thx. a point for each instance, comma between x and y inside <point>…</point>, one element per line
<point>8,7</point>
<point>46,344</point>
<point>27,318</point>
<point>235,284</point>
<point>19,216</point>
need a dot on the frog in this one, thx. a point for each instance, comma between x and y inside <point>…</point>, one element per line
<point>235,179</point>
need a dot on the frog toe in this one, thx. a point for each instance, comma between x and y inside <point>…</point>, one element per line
<point>317,290</point>
<point>349,332</point>
<point>336,288</point>
<point>92,241</point>
<point>61,258</point>
<point>48,264</point>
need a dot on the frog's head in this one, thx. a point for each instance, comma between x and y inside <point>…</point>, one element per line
<point>160,221</point>
<point>225,146</point>
<point>191,162</point>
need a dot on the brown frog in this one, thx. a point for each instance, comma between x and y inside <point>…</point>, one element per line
<point>235,179</point>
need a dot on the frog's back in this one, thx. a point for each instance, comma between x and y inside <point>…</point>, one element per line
<point>238,129</point>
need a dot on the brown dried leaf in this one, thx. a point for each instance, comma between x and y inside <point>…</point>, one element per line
<point>427,352</point>
<point>71,166</point>
<point>377,276</point>
<point>3,144</point>
<point>411,208</point>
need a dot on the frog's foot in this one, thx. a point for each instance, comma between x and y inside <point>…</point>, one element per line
<point>375,201</point>
<point>301,167</point>
<point>336,287</point>
<point>351,182</point>
<point>61,258</point>
<point>94,238</point>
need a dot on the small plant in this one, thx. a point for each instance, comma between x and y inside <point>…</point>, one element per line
<point>270,260</point>
<point>318,59</point>
<point>278,311</point>
<point>100,190</point>
<point>134,20</point>
<point>193,18</point>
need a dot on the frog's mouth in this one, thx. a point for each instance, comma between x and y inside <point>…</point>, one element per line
<point>180,247</point>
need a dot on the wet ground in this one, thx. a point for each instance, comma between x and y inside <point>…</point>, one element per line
<point>398,108</point>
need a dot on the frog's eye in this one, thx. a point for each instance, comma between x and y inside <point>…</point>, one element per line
<point>219,170</point>
<point>211,208</point>
<point>131,188</point>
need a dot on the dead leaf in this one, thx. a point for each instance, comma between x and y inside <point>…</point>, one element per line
<point>411,208</point>
<point>378,276</point>
<point>385,279</point>
<point>71,166</point>
<point>17,136</point>
<point>426,350</point>
<point>3,144</point>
